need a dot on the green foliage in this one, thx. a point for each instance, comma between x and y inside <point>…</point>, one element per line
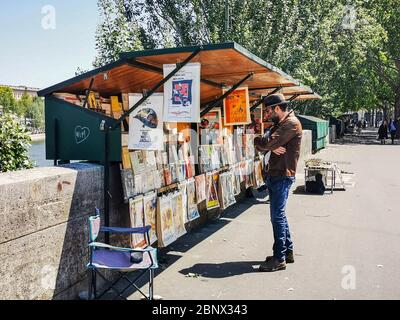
<point>118,31</point>
<point>7,99</point>
<point>14,144</point>
<point>309,39</point>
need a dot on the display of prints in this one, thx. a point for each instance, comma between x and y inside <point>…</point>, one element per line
<point>177,206</point>
<point>148,181</point>
<point>128,183</point>
<point>126,159</point>
<point>167,175</point>
<point>183,187</point>
<point>138,184</point>
<point>165,222</point>
<point>192,210</point>
<point>182,93</point>
<point>249,145</point>
<point>150,160</point>
<point>136,213</point>
<point>226,190</point>
<point>181,169</point>
<point>138,161</point>
<point>145,123</point>
<point>236,107</point>
<point>173,169</point>
<point>210,127</point>
<point>256,125</point>
<point>258,174</point>
<point>211,194</point>
<point>236,180</point>
<point>243,168</point>
<point>200,188</point>
<point>249,171</point>
<point>238,144</point>
<point>150,210</point>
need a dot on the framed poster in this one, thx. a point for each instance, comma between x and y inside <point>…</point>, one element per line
<point>137,221</point>
<point>150,213</point>
<point>178,214</point>
<point>145,123</point>
<point>237,108</point>
<point>165,222</point>
<point>182,93</point>
<point>192,211</point>
<point>212,194</point>
<point>226,192</point>
<point>200,188</point>
<point>210,127</point>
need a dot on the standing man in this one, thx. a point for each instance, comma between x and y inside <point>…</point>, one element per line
<point>284,142</point>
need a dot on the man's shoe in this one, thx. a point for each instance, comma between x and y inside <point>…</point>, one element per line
<point>289,257</point>
<point>272,265</point>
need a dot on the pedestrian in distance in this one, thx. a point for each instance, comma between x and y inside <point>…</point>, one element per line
<point>383,132</point>
<point>284,142</point>
<point>392,130</point>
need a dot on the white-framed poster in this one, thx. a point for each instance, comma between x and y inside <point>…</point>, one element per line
<point>182,93</point>
<point>146,123</point>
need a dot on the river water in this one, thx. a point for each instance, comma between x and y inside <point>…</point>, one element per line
<point>37,153</point>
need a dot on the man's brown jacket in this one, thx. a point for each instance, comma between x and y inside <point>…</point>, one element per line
<point>288,135</point>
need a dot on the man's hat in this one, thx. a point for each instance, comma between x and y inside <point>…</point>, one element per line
<point>275,100</point>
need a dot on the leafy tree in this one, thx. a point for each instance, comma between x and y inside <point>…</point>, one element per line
<point>7,99</point>
<point>118,31</point>
<point>14,143</point>
<point>308,39</point>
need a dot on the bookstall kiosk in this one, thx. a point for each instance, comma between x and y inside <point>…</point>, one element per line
<point>92,117</point>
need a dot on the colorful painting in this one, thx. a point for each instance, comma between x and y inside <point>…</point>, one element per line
<point>236,107</point>
<point>211,195</point>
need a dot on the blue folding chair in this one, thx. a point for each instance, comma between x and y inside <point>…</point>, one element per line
<point>104,256</point>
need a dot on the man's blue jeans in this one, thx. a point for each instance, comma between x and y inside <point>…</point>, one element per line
<point>278,188</point>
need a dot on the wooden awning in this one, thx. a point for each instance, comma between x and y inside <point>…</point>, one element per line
<point>297,93</point>
<point>222,65</point>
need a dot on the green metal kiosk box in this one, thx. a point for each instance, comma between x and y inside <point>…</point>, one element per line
<point>319,129</point>
<point>76,133</point>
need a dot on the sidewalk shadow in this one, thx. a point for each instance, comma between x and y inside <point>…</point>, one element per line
<point>196,234</point>
<point>365,138</point>
<point>222,270</point>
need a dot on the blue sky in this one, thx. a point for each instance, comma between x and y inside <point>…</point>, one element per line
<point>33,56</point>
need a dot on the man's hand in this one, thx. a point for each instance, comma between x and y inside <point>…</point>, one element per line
<point>279,151</point>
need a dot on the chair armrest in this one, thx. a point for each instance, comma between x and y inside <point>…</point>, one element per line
<point>107,246</point>
<point>141,230</point>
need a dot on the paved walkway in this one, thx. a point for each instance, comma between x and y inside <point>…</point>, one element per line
<point>346,244</point>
